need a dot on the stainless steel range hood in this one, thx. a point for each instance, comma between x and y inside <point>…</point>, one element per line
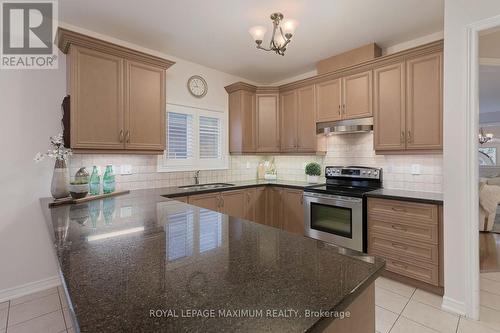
<point>361,125</point>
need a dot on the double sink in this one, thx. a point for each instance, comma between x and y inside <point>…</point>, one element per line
<point>205,186</point>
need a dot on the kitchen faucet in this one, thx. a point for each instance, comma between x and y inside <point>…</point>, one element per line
<point>197,177</point>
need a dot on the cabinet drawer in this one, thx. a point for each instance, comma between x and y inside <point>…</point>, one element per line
<point>402,229</point>
<point>401,210</point>
<point>417,270</point>
<point>397,248</point>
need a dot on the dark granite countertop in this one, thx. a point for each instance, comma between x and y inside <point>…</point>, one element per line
<point>174,191</point>
<point>416,196</point>
<point>125,257</point>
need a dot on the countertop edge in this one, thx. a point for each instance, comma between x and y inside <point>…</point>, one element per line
<point>403,198</point>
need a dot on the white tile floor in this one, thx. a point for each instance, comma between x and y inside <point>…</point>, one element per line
<point>404,309</point>
<point>44,312</point>
<point>399,309</point>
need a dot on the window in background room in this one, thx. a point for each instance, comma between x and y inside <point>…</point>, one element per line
<point>195,140</point>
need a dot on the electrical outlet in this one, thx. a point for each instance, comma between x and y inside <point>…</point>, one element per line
<point>126,169</point>
<point>415,169</point>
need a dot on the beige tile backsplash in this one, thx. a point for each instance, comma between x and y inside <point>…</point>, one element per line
<point>347,149</point>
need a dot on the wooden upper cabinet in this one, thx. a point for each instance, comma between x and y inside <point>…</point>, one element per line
<point>96,88</point>
<point>268,123</point>
<point>389,107</point>
<point>357,95</point>
<point>424,102</point>
<point>289,121</point>
<point>117,96</point>
<point>306,120</point>
<point>145,107</point>
<point>242,121</point>
<point>293,211</point>
<point>328,100</point>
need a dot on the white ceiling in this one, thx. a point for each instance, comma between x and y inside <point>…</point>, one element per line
<point>215,33</point>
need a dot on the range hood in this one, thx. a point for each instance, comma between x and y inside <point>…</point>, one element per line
<point>361,125</point>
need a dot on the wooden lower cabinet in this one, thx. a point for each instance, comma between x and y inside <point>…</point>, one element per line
<point>209,201</point>
<point>293,211</point>
<point>274,207</point>
<point>233,203</point>
<point>255,209</point>
<point>408,236</point>
<point>182,199</point>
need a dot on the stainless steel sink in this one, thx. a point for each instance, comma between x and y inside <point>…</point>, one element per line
<point>206,186</point>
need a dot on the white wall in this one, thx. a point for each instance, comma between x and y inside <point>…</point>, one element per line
<point>458,14</point>
<point>30,112</point>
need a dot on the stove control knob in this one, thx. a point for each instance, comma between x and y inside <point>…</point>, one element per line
<point>369,173</point>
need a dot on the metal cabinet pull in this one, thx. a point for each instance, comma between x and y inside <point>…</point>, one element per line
<point>409,137</point>
<point>128,136</point>
<point>344,108</point>
<point>340,112</point>
<point>397,209</point>
<point>397,227</point>
<point>121,135</point>
<point>402,140</point>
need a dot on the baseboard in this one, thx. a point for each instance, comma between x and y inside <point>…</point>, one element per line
<point>29,288</point>
<point>451,305</point>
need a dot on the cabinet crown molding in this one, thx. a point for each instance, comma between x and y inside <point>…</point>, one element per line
<point>65,38</point>
<point>240,86</point>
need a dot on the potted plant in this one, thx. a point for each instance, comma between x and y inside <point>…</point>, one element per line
<point>60,178</point>
<point>313,171</point>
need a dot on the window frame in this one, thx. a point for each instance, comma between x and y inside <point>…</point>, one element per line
<point>196,163</point>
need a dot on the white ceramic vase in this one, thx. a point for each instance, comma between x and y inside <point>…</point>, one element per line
<point>312,179</point>
<point>60,180</point>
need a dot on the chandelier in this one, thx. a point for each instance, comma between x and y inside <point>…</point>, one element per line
<point>483,138</point>
<point>282,34</point>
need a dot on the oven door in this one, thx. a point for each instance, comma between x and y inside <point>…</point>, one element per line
<point>334,219</point>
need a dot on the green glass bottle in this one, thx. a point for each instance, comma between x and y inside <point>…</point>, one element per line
<point>95,182</point>
<point>108,180</point>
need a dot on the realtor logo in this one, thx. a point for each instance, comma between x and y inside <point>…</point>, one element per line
<point>27,36</point>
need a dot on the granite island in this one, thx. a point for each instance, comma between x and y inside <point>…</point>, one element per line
<point>144,263</point>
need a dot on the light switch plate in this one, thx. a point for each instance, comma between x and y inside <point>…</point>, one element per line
<point>126,211</point>
<point>248,165</point>
<point>415,169</point>
<point>126,169</point>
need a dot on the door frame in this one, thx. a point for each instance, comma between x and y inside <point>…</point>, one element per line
<point>472,168</point>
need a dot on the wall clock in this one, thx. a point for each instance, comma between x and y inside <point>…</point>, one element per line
<point>197,86</point>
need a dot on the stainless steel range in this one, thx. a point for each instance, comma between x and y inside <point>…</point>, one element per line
<point>335,212</point>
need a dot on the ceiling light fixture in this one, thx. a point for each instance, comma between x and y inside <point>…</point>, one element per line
<point>282,34</point>
<point>483,138</point>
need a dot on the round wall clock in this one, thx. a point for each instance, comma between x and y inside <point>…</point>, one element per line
<point>197,86</point>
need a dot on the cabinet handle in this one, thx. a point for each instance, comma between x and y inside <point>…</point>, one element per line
<point>121,135</point>
<point>409,136</point>
<point>218,201</point>
<point>402,137</point>
<point>128,136</point>
<point>397,227</point>
<point>344,108</point>
<point>339,110</point>
<point>396,209</point>
<point>302,200</point>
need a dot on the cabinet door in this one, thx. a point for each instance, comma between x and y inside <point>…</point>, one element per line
<point>389,107</point>
<point>250,205</point>
<point>293,211</point>
<point>306,120</point>
<point>260,201</point>
<point>289,121</point>
<point>209,201</point>
<point>268,131</point>
<point>233,203</point>
<point>145,107</point>
<point>274,207</point>
<point>328,100</point>
<point>248,121</point>
<point>97,99</point>
<point>357,95</point>
<point>424,102</point>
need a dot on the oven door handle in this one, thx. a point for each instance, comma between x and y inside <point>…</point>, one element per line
<point>332,197</point>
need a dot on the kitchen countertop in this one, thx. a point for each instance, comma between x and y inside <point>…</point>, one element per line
<point>416,196</point>
<point>123,258</point>
<point>174,191</point>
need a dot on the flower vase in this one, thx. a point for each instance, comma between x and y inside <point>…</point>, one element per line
<point>312,179</point>
<point>60,180</point>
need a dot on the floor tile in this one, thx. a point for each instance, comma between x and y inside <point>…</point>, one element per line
<point>394,286</point>
<point>67,318</point>
<point>404,325</point>
<point>495,276</point>
<point>4,305</point>
<point>389,300</point>
<point>431,317</point>
<point>3,318</point>
<point>489,300</point>
<point>384,319</point>
<point>71,330</point>
<point>427,298</point>
<point>470,326</point>
<point>489,285</point>
<point>34,308</point>
<point>30,297</point>
<point>489,317</point>
<point>49,323</point>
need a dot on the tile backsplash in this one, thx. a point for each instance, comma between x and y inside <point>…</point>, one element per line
<point>347,149</point>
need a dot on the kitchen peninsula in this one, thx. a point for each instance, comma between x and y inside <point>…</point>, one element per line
<point>144,262</point>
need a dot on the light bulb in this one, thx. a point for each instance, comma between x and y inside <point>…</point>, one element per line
<point>257,32</point>
<point>288,26</point>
